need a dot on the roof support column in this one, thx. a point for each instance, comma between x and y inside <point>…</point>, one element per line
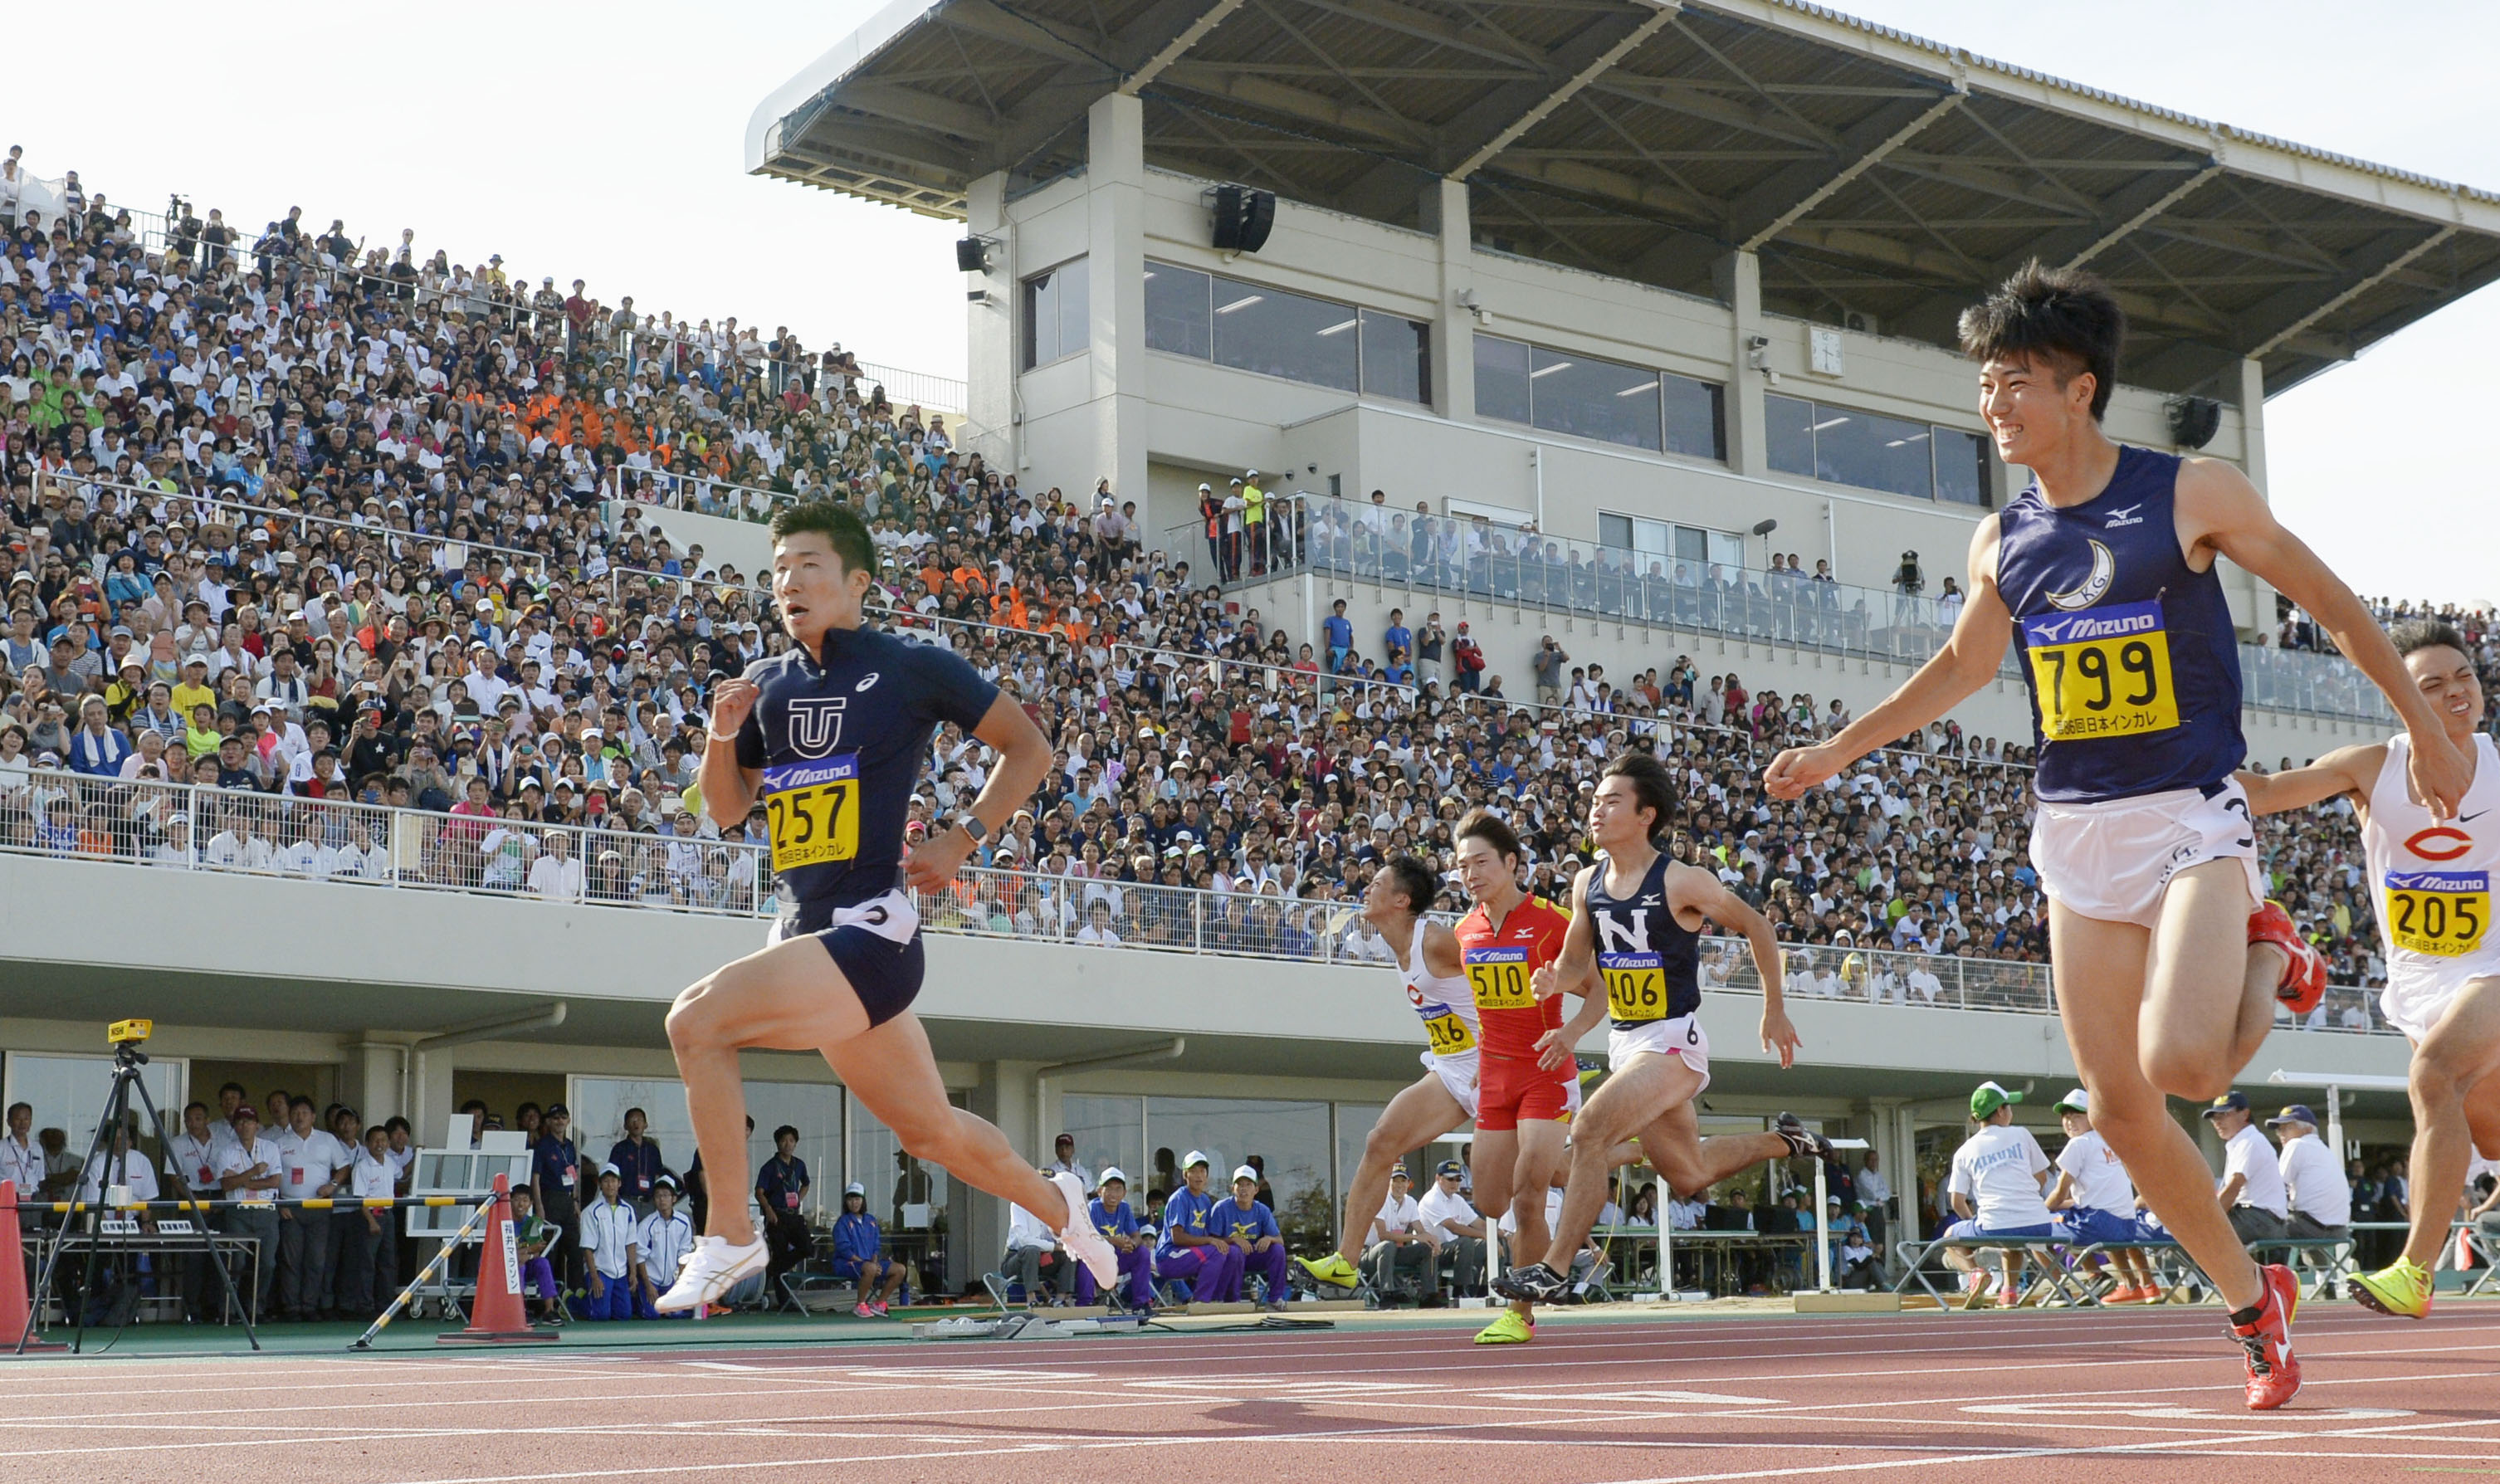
<point>2258,619</point>
<point>1454,324</point>
<point>989,327</point>
<point>1115,188</point>
<point>1740,283</point>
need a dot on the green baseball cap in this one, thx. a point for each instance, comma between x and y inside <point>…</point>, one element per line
<point>1989,1098</point>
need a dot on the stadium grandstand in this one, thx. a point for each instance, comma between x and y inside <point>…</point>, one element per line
<point>1588,385</point>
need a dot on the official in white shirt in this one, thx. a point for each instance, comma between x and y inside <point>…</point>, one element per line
<point>1397,1244</point>
<point>1997,1186</point>
<point>2251,1188</point>
<point>1032,1247</point>
<point>365,1281</point>
<point>1445,1215</point>
<point>248,1171</point>
<point>2314,1188</point>
<point>192,1154</point>
<point>22,1159</point>
<point>311,1164</point>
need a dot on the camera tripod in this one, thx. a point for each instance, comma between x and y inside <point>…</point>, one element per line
<point>127,1060</point>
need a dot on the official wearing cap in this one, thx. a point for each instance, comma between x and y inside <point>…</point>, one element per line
<point>2314,1190</point>
<point>1451,1222</point>
<point>1397,1244</point>
<point>610,1247</point>
<point>2252,1189</point>
<point>1997,1184</point>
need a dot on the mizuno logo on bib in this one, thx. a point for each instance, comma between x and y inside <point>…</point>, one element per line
<point>2101,673</point>
<point>1498,976</point>
<point>812,811</point>
<point>2442,913</point>
<point>1635,985</point>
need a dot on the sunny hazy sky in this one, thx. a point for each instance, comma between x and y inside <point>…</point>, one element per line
<point>604,142</point>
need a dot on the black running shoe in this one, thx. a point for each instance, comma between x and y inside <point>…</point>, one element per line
<point>1535,1283</point>
<point>1802,1140</point>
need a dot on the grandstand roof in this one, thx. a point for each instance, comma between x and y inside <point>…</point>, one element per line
<point>1875,171</point>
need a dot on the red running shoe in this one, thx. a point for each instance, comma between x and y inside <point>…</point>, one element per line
<point>2264,1331</point>
<point>2304,969</point>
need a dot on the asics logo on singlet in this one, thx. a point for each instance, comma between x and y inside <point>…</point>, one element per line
<point>1622,938</point>
<point>866,680</point>
<point>2074,631</point>
<point>2094,587</point>
<point>815,724</point>
<point>2125,517</point>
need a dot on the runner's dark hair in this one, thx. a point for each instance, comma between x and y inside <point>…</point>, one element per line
<point>1416,879</point>
<point>1495,831</point>
<point>2062,316</point>
<point>838,524</point>
<point>1651,784</point>
<point>2426,634</point>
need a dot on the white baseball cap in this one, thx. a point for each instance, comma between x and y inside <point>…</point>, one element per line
<point>2076,1101</point>
<point>1110,1173</point>
<point>1194,1157</point>
<point>1245,1173</point>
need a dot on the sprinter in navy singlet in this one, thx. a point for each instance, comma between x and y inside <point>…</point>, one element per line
<point>1637,918</point>
<point>829,738</point>
<point>2103,573</point>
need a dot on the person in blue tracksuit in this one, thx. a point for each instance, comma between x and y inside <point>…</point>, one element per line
<point>608,1250</point>
<point>661,1242</point>
<point>1190,1251</point>
<point>1119,1225</point>
<point>1247,1227</point>
<point>859,1254</point>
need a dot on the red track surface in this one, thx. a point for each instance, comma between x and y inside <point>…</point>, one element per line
<point>2068,1397</point>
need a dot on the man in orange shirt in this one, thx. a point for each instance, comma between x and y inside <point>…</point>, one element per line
<point>1522,1107</point>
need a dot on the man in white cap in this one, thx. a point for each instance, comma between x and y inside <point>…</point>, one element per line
<point>1997,1176</point>
<point>2097,1200</point>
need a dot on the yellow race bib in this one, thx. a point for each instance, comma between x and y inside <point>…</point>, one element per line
<point>2439,913</point>
<point>1635,985</point>
<point>2104,671</point>
<point>1449,1035</point>
<point>1498,975</point>
<point>812,811</point>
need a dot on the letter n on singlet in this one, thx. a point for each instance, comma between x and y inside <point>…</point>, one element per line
<point>1620,938</point>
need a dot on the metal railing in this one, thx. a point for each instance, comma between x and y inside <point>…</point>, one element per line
<point>195,827</point>
<point>152,823</point>
<point>1479,558</point>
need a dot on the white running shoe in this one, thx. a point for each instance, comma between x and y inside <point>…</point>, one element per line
<point>711,1270</point>
<point>1083,1243</point>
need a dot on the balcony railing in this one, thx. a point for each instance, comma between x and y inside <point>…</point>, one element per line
<point>203,828</point>
<point>1474,557</point>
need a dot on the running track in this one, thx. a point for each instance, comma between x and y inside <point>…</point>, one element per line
<point>2015,1396</point>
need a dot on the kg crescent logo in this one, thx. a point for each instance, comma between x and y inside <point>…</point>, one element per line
<point>2439,842</point>
<point>2093,587</point>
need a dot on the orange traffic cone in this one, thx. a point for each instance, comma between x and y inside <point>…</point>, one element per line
<point>14,1305</point>
<point>496,1317</point>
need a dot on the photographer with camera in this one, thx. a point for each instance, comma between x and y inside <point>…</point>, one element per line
<point>1908,581</point>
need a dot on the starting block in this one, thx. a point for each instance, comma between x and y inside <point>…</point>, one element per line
<point>1024,1327</point>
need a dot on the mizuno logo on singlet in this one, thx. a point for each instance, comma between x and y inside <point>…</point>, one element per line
<point>2125,517</point>
<point>2071,630</point>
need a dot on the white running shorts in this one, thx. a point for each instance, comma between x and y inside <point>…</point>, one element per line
<point>1681,1036</point>
<point>2417,997</point>
<point>2112,859</point>
<point>1459,1074</point>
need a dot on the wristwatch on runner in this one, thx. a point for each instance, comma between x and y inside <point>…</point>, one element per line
<point>970,824</point>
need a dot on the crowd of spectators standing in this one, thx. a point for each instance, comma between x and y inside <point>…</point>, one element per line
<point>331,526</point>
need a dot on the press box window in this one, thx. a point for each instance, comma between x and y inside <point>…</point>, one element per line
<point>1867,451</point>
<point>1055,314</point>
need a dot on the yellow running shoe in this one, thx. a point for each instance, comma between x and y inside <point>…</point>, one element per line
<point>2400,1292</point>
<point>1332,1269</point>
<point>1510,1329</point>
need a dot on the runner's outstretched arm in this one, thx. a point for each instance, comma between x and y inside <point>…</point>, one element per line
<point>2218,508</point>
<point>2343,771</point>
<point>1966,662</point>
<point>1698,889</point>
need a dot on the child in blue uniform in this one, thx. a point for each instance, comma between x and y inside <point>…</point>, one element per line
<point>1190,1251</point>
<point>1258,1245</point>
<point>1119,1225</point>
<point>859,1248</point>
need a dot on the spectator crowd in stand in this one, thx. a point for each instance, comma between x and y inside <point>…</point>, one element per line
<point>337,529</point>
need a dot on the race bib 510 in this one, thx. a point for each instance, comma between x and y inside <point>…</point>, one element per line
<point>1498,976</point>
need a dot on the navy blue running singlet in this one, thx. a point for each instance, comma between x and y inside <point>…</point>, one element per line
<point>1650,961</point>
<point>2133,662</point>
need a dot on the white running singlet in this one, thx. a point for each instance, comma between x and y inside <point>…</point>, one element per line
<point>1447,1006</point>
<point>2430,880</point>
